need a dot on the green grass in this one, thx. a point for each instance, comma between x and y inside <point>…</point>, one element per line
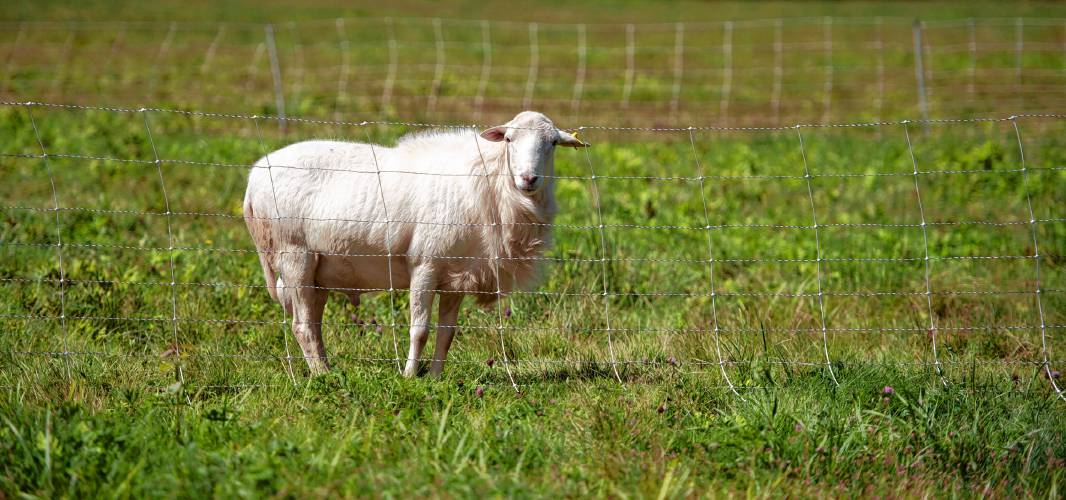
<point>369,433</point>
<point>111,420</point>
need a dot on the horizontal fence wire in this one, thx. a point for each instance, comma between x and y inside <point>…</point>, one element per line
<point>779,294</point>
<point>673,362</point>
<point>232,321</point>
<point>415,124</point>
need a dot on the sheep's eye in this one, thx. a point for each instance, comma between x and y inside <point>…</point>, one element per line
<point>555,142</point>
<point>507,139</point>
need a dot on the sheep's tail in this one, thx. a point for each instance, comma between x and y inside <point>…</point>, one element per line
<point>261,235</point>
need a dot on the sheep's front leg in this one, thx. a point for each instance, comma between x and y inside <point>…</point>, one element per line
<point>447,319</point>
<point>421,309</point>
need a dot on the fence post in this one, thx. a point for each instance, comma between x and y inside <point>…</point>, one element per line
<point>1019,48</point>
<point>727,72</point>
<point>486,69</point>
<point>579,80</point>
<point>679,69</point>
<point>438,69</point>
<point>919,72</point>
<point>775,94</point>
<point>534,66</point>
<point>275,70</point>
<point>630,56</point>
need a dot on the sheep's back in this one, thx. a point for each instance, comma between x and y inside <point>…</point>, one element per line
<point>318,193</point>
<point>337,196</point>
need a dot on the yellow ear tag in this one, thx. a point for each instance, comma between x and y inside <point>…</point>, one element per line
<point>575,135</point>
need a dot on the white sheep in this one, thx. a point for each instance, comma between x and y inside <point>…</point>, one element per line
<point>451,208</point>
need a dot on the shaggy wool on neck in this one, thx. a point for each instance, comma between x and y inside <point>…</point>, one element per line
<point>516,228</point>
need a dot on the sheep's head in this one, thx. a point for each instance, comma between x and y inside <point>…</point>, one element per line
<point>530,139</point>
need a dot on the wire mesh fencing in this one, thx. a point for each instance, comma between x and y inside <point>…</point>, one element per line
<point>730,73</point>
<point>740,255</point>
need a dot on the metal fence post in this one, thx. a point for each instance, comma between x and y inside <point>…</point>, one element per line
<point>919,72</point>
<point>275,70</point>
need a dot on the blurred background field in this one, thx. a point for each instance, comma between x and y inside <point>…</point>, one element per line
<point>723,64</point>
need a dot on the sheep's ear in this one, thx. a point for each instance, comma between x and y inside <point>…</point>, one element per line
<point>494,134</point>
<point>570,141</point>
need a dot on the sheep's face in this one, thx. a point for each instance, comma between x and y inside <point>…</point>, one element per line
<point>530,139</point>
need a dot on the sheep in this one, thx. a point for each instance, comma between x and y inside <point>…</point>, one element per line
<point>446,213</point>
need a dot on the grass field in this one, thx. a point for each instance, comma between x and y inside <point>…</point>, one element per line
<point>109,418</point>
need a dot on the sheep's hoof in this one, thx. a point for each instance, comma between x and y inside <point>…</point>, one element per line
<point>318,367</point>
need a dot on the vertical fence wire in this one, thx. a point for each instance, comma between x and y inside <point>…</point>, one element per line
<point>710,264</point>
<point>818,254</point>
<point>497,232</point>
<point>1038,292</point>
<point>925,241</point>
<point>597,202</point>
<point>388,251</point>
<point>59,242</point>
<point>178,369</point>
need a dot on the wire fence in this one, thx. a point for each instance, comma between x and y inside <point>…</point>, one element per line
<point>741,255</point>
<point>730,73</point>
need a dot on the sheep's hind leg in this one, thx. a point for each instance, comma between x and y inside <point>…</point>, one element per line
<point>421,310</point>
<point>284,295</point>
<point>308,304</point>
<point>307,325</point>
<point>447,318</point>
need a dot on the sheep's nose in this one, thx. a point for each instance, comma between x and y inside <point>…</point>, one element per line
<point>529,179</point>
